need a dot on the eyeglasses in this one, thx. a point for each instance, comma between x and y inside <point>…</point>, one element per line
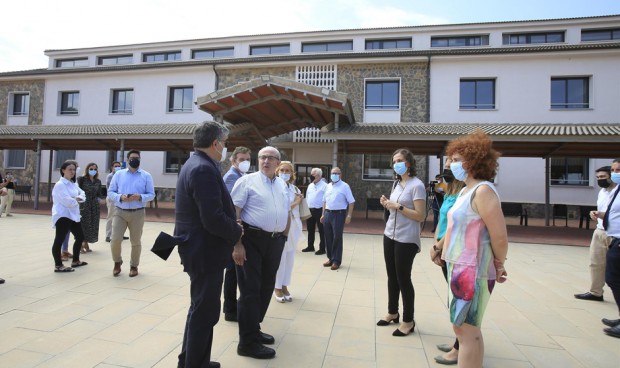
<point>268,158</point>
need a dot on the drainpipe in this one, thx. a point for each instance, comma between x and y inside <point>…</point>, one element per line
<point>49,176</point>
<point>37,176</point>
<point>217,78</point>
<point>335,146</point>
<point>428,113</point>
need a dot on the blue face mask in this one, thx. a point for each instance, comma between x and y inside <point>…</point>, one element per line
<point>117,168</point>
<point>92,172</point>
<point>615,177</point>
<point>458,171</point>
<point>335,178</point>
<point>285,177</point>
<point>400,168</point>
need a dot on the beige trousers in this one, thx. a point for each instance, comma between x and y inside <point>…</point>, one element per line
<point>7,202</point>
<point>123,219</point>
<point>108,223</point>
<point>598,259</point>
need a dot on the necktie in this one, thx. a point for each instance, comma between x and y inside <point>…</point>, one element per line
<point>606,217</point>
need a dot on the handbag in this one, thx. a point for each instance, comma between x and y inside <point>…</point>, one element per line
<point>304,210</point>
<point>386,212</point>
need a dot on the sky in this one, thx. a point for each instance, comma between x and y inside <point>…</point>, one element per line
<point>29,27</point>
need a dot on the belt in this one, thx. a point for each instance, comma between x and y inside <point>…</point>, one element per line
<point>130,209</point>
<point>249,229</point>
<point>336,211</point>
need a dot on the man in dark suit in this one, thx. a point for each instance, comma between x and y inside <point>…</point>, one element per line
<point>205,216</point>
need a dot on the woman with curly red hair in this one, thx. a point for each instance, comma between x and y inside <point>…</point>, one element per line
<point>475,243</point>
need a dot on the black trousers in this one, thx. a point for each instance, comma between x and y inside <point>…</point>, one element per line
<point>612,270</point>
<point>398,263</point>
<point>63,226</point>
<point>230,288</point>
<point>313,222</point>
<point>203,314</point>
<point>256,278</point>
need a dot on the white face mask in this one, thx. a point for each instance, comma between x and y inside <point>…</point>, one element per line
<point>285,177</point>
<point>224,152</point>
<point>244,166</point>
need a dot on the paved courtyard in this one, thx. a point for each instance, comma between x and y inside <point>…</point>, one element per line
<point>89,318</point>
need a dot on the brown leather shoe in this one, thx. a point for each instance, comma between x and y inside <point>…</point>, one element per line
<point>327,264</point>
<point>133,271</point>
<point>117,268</point>
<point>335,266</point>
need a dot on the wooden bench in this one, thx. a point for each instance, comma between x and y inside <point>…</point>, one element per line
<point>23,190</point>
<point>373,204</point>
<point>515,210</point>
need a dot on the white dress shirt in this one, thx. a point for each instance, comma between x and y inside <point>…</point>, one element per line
<point>315,194</point>
<point>264,202</point>
<point>65,204</point>
<point>613,229</point>
<point>338,196</point>
<point>602,202</point>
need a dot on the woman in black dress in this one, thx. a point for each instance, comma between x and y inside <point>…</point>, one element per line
<point>91,185</point>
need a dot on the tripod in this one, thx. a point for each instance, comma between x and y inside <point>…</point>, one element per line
<point>430,200</point>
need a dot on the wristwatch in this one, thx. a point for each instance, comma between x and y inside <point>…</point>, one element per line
<point>400,208</point>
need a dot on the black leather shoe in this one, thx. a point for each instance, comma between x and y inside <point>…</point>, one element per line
<point>230,317</point>
<point>265,339</point>
<point>589,296</point>
<point>613,331</point>
<point>107,239</point>
<point>256,351</point>
<point>213,364</point>
<point>611,322</point>
<point>320,252</point>
<point>1,281</point>
<point>308,249</point>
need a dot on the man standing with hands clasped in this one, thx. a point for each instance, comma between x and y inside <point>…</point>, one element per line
<point>263,205</point>
<point>206,221</point>
<point>337,210</point>
<point>314,196</point>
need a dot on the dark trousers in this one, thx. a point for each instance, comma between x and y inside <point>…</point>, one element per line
<point>313,222</point>
<point>203,314</point>
<point>612,270</point>
<point>256,278</point>
<point>63,226</point>
<point>334,226</point>
<point>398,263</point>
<point>230,288</point>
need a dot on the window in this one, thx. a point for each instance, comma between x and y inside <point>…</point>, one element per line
<point>600,34</point>
<point>19,104</point>
<point>457,41</point>
<point>122,101</point>
<point>16,159</point>
<point>570,93</point>
<point>174,161</point>
<point>69,103</point>
<point>528,38</point>
<point>383,95</point>
<point>477,94</point>
<point>570,171</point>
<point>403,43</point>
<point>377,167</point>
<point>213,53</point>
<point>72,63</point>
<point>180,99</point>
<point>161,56</point>
<point>62,156</point>
<point>327,46</point>
<point>270,49</point>
<point>115,60</point>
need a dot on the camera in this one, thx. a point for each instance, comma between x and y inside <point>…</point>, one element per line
<point>432,183</point>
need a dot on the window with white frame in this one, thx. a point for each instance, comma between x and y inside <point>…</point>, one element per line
<point>61,156</point>
<point>69,103</point>
<point>122,101</point>
<point>174,161</point>
<point>270,49</point>
<point>459,41</point>
<point>327,46</point>
<point>532,38</point>
<point>477,94</point>
<point>377,167</point>
<point>570,171</point>
<point>19,103</point>
<point>399,43</point>
<point>161,56</point>
<point>213,53</point>
<point>115,60</point>
<point>15,159</point>
<point>600,34</point>
<point>72,63</point>
<point>570,93</point>
<point>180,99</point>
<point>382,95</point>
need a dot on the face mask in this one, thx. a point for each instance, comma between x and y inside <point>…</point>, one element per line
<point>447,176</point>
<point>92,172</point>
<point>117,168</point>
<point>134,162</point>
<point>285,177</point>
<point>224,152</point>
<point>603,183</point>
<point>335,178</point>
<point>615,177</point>
<point>400,168</point>
<point>312,177</point>
<point>458,171</point>
<point>244,166</point>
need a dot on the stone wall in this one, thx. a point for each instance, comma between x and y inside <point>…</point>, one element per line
<point>36,89</point>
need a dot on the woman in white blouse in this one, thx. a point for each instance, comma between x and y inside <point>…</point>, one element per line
<point>67,197</point>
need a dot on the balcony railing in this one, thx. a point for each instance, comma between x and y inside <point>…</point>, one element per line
<point>310,135</point>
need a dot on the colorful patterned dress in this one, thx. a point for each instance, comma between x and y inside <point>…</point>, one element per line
<point>469,258</point>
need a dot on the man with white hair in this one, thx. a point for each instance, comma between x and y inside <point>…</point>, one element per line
<point>314,196</point>
<point>262,203</point>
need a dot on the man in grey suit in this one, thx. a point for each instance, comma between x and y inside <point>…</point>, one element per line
<point>206,220</point>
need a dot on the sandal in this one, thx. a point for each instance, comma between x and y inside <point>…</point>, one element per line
<point>78,264</point>
<point>63,269</point>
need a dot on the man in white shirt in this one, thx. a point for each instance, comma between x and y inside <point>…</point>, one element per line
<point>263,206</point>
<point>600,240</point>
<point>314,196</point>
<point>337,210</point>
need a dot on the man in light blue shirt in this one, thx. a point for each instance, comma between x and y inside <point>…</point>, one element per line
<point>337,210</point>
<point>130,190</point>
<point>314,196</point>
